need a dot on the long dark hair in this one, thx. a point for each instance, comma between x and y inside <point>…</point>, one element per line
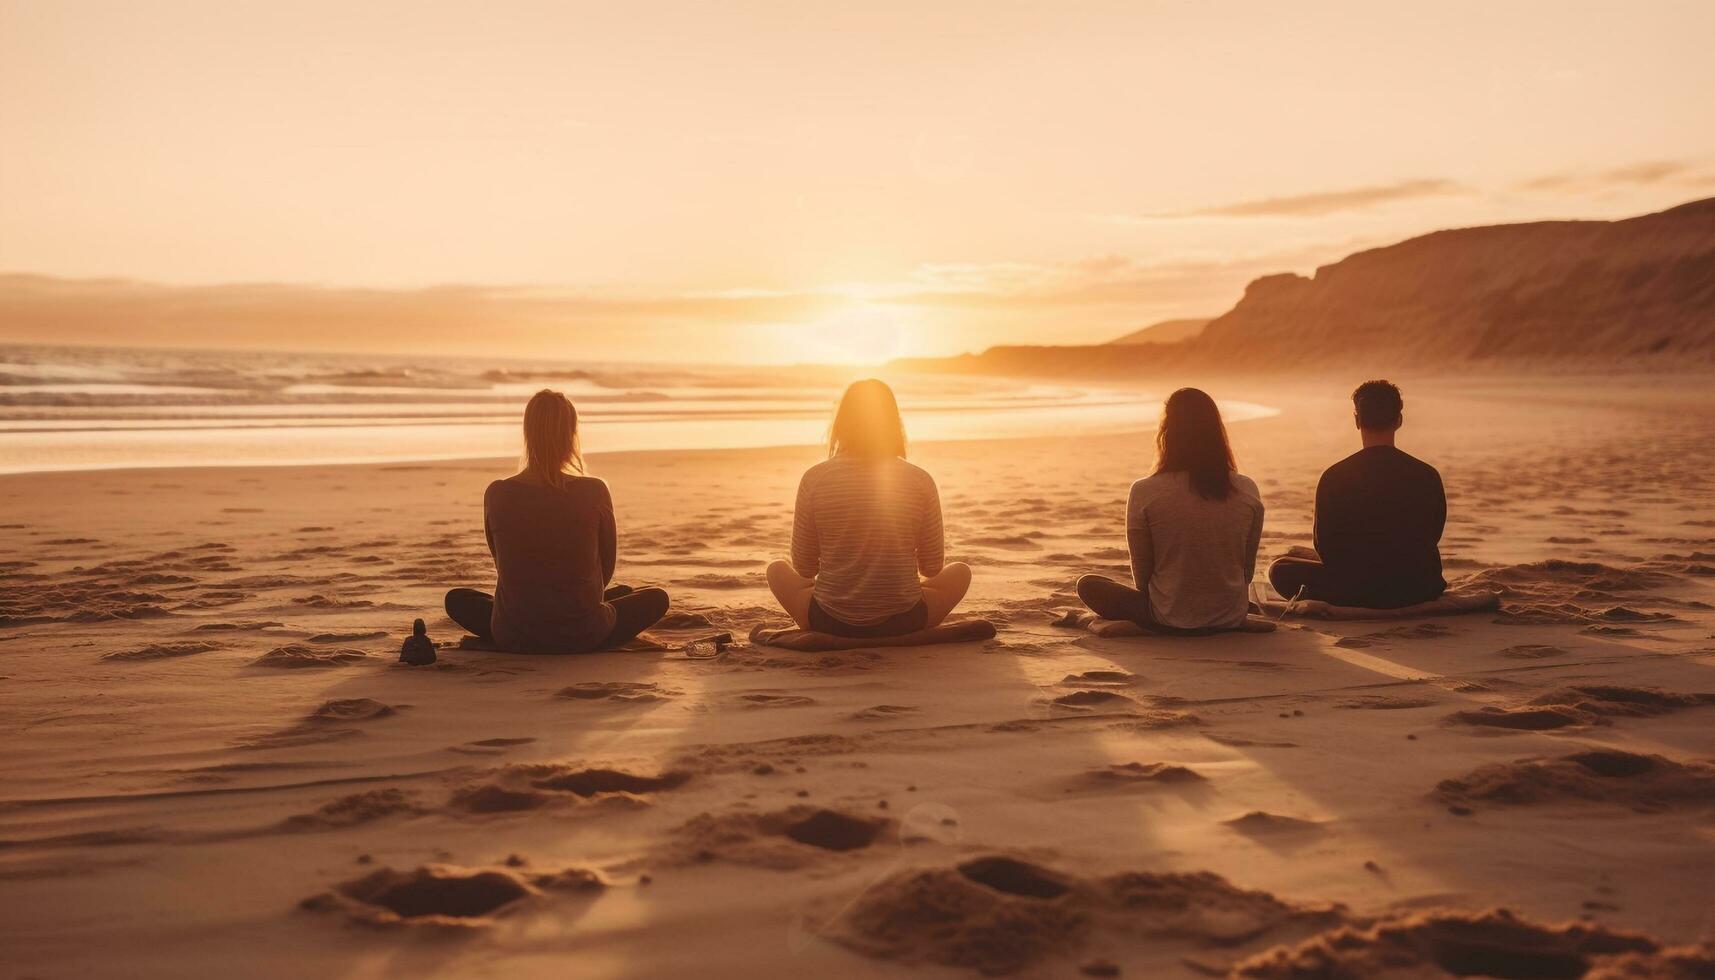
<point>1192,439</point>
<point>867,422</point>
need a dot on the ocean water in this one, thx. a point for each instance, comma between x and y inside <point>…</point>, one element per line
<point>100,408</point>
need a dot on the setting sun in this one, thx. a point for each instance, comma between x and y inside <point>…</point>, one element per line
<point>786,488</point>
<point>861,333</point>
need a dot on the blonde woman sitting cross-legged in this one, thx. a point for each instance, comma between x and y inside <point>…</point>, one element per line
<point>867,524</point>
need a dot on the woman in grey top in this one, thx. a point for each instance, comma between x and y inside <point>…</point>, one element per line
<point>1193,528</point>
<point>866,525</point>
<point>552,534</point>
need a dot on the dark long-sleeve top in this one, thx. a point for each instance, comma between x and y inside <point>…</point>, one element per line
<point>554,552</point>
<point>1379,517</point>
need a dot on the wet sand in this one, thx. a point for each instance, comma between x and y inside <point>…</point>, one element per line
<point>215,765</point>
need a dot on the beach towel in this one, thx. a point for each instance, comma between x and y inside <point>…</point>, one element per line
<point>1083,619</point>
<point>809,641</point>
<point>1449,604</point>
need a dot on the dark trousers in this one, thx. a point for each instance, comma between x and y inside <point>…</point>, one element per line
<point>899,624</point>
<point>1113,600</point>
<point>635,610</point>
<point>1289,575</point>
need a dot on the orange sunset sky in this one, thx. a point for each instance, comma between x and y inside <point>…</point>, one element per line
<point>787,181</point>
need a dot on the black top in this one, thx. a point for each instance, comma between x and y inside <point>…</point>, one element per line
<point>554,551</point>
<point>1379,515</point>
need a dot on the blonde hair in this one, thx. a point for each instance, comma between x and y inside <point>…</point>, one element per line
<point>551,438</point>
<point>867,422</point>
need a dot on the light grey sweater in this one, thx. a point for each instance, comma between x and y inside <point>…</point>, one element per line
<point>1200,554</point>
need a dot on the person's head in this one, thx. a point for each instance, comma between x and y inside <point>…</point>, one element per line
<point>1377,408</point>
<point>551,438</point>
<point>867,422</point>
<point>1193,440</point>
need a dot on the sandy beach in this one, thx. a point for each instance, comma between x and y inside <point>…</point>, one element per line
<point>216,766</point>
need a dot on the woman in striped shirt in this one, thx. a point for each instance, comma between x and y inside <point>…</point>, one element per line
<point>867,523</point>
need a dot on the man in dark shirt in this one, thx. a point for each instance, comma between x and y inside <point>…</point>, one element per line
<point>1379,515</point>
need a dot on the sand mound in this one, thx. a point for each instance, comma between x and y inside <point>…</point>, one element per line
<point>782,840</point>
<point>1261,822</point>
<point>1126,773</point>
<point>298,655</point>
<point>1673,963</point>
<point>351,709</point>
<point>444,896</point>
<point>684,621</point>
<point>1099,678</point>
<point>636,692</point>
<point>999,914</point>
<point>1150,721</point>
<point>1492,944</point>
<point>358,808</point>
<point>530,787</point>
<point>1643,782</point>
<point>1522,719</point>
<point>1578,593</point>
<point>495,798</point>
<point>589,782</point>
<point>1615,701</point>
<point>960,919</point>
<point>1084,700</point>
<point>163,651</point>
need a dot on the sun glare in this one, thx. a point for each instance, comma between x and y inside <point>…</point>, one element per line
<point>863,333</point>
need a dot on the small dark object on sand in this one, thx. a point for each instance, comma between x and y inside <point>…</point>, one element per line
<point>417,650</point>
<point>708,647</point>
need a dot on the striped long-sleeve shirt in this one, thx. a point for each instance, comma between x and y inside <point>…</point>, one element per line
<point>864,528</point>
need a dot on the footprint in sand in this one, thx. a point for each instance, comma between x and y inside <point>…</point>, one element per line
<point>624,692</point>
<point>1531,651</point>
<point>1418,631</point>
<point>162,651</point>
<point>764,699</point>
<point>347,637</point>
<point>350,811</point>
<point>786,839</point>
<point>445,897</point>
<point>1383,702</point>
<point>883,712</point>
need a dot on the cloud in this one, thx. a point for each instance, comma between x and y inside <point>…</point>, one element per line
<point>1021,299</point>
<point>1650,173</point>
<point>1312,205</point>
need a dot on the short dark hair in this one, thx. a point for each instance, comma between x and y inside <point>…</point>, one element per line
<point>1378,404</point>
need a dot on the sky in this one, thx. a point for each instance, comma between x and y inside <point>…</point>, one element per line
<point>788,181</point>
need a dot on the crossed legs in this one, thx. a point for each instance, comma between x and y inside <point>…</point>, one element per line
<point>635,610</point>
<point>941,591</point>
